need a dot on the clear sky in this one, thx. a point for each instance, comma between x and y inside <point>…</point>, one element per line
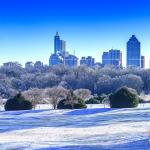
<point>27,27</point>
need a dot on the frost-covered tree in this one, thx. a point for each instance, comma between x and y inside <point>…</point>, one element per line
<point>55,95</point>
<point>34,96</point>
<point>133,81</point>
<point>104,85</point>
<point>71,99</point>
<point>84,94</point>
<point>99,80</point>
<point>12,69</point>
<point>1,102</point>
<point>6,89</point>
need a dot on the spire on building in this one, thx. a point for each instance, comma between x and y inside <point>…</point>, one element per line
<point>57,34</point>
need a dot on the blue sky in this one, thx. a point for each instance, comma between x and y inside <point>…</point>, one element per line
<point>27,27</point>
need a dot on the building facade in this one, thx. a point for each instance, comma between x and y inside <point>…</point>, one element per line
<point>59,45</point>
<point>71,61</point>
<point>83,61</point>
<point>113,57</point>
<point>133,52</point>
<point>88,61</point>
<point>60,55</point>
<point>105,58</point>
<point>142,62</point>
<point>55,60</point>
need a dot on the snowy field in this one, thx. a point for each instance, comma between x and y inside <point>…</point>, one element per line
<point>88,129</point>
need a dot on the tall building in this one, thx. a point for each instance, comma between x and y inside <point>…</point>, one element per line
<point>59,45</point>
<point>113,57</point>
<point>142,62</point>
<point>133,52</point>
<point>60,55</point>
<point>88,61</point>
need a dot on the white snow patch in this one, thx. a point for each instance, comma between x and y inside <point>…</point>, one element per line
<point>86,129</point>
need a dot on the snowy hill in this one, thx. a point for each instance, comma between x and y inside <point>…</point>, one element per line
<point>87,129</point>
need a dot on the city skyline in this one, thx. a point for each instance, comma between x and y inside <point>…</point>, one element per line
<point>27,27</point>
<point>115,57</point>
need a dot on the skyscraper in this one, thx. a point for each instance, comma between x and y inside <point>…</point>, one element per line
<point>133,52</point>
<point>113,57</point>
<point>59,45</point>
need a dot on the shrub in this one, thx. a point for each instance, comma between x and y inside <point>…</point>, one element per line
<point>92,101</point>
<point>64,105</point>
<point>124,98</point>
<point>18,103</point>
<point>96,99</point>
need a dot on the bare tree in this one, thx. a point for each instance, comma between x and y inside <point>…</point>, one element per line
<point>71,99</point>
<point>34,95</point>
<point>106,101</point>
<point>84,94</point>
<point>1,102</point>
<point>55,95</point>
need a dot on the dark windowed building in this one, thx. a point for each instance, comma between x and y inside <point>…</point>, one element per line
<point>88,61</point>
<point>105,58</point>
<point>113,57</point>
<point>71,60</point>
<point>133,52</point>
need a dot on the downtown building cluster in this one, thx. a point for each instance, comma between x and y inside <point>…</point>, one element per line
<point>112,57</point>
<point>133,57</point>
<point>60,55</point>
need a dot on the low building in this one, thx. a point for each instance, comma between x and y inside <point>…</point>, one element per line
<point>29,64</point>
<point>38,64</point>
<point>55,60</point>
<point>88,61</point>
<point>71,60</point>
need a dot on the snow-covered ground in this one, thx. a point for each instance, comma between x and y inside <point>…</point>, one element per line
<point>85,129</point>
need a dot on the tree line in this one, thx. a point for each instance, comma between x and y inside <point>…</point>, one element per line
<point>99,80</point>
